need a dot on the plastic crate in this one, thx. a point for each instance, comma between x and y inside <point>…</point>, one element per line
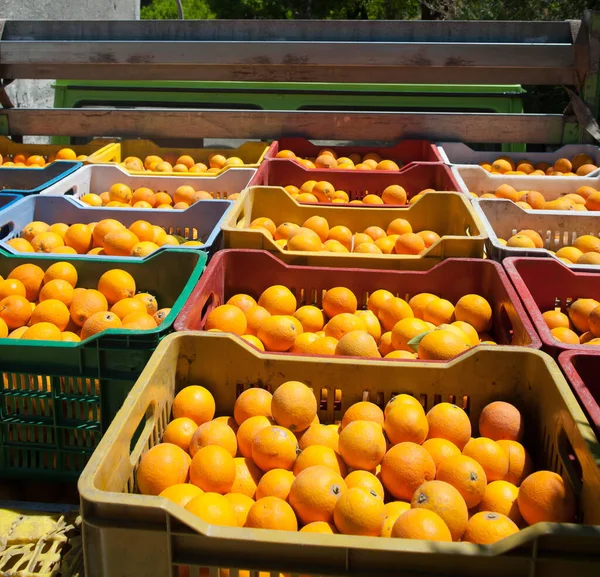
<point>358,183</point>
<point>98,178</point>
<point>450,214</point>
<point>582,370</point>
<point>35,180</point>
<point>7,200</point>
<point>251,272</point>
<point>459,153</point>
<point>97,146</point>
<point>546,284</point>
<point>201,221</point>
<point>502,218</point>
<point>406,151</point>
<point>58,398</point>
<point>478,180</point>
<point>130,534</point>
<point>252,153</point>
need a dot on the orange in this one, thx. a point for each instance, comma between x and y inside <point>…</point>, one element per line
<point>311,318</point>
<point>486,528</point>
<point>534,236</point>
<point>214,509</point>
<point>15,311</point>
<point>401,399</point>
<point>589,258</point>
<point>69,337</point>
<point>179,432</point>
<point>34,228</point>
<point>42,331</point>
<point>116,284</point>
<point>502,165</point>
<point>439,311</point>
<point>253,341</point>
<point>319,527</point>
<point>394,194</point>
<point>570,253</point>
<point>565,335</point>
<point>120,193</point>
<point>47,242</point>
<point>421,524</point>
<point>476,311</point>
<point>334,246</point>
<point>371,323</point>
<point>143,230</point>
<point>322,346</point>
<point>247,477</point>
<point>579,313</point>
<point>343,324</point>
<point>127,306</point>
<point>385,344</point>
<point>315,492</point>
<point>285,230</point>
<point>213,469</point>
<point>357,344</point>
<point>79,237</point>
<point>227,318</point>
<point>399,226</point>
<point>405,467</point>
<point>32,277</point>
<point>342,234</point>
<point>57,289</point>
<point>419,303</point>
<point>85,304</point>
<point>375,232</point>
<point>254,318</point>
<point>241,505</point>
<point>51,311</point>
<point>392,311</point>
<point>362,445</point>
<point>491,456</point>
<point>520,241</point>
<point>275,483</point>
<point>119,242</point>
<point>501,420</point>
<point>501,497</point>
<point>469,330</point>
<point>443,499</point>
<point>139,321</point>
<point>319,434</point>
<point>161,467</point>
<point>251,403</point>
<point>362,411</point>
<point>278,333</point>
<point>409,243</point>
<point>393,511</point>
<point>20,245</point>
<point>319,455</point>
<point>181,494</point>
<point>440,449</point>
<point>405,330</point>
<point>555,319</point>
<point>520,464</point>
<point>274,448</point>
<point>366,481</point>
<point>359,512</point>
<point>447,421</point>
<point>441,345</point>
<point>466,475</point>
<point>4,329</point>
<point>339,300</point>
<point>302,343</point>
<point>587,243</point>
<point>272,513</point>
<point>294,406</point>
<point>406,423</point>
<point>144,194</point>
<point>194,402</point>
<point>585,169</point>
<point>278,300</point>
<point>103,228</point>
<point>507,191</point>
<point>429,237</point>
<point>11,286</point>
<point>304,242</point>
<point>545,497</point>
<point>248,430</point>
<point>372,199</point>
<point>323,191</point>
<point>401,355</point>
<point>213,433</point>
<point>326,161</point>
<point>534,199</point>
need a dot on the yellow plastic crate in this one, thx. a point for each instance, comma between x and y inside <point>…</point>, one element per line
<point>252,153</point>
<point>450,214</point>
<point>130,535</point>
<point>102,147</point>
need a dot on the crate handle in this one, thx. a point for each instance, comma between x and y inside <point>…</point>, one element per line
<point>7,230</point>
<point>568,456</point>
<point>506,326</point>
<point>209,305</point>
<point>140,446</point>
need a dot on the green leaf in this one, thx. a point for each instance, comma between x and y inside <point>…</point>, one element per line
<point>180,239</point>
<point>414,342</point>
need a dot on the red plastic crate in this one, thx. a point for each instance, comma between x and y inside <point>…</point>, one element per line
<point>358,183</point>
<point>544,284</point>
<point>252,271</point>
<point>582,370</point>
<point>406,151</point>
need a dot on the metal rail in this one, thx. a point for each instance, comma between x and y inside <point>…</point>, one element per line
<point>244,124</point>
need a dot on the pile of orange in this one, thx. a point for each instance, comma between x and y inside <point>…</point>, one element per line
<point>579,165</point>
<point>315,235</point>
<point>328,158</point>
<point>180,163</point>
<point>25,160</point>
<point>426,327</point>
<point>584,250</point>
<point>323,191</point>
<point>107,237</point>
<point>581,324</point>
<point>585,199</point>
<point>48,305</point>
<point>120,195</point>
<point>398,472</point>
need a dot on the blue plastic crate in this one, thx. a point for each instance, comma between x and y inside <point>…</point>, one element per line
<point>201,221</point>
<point>35,180</point>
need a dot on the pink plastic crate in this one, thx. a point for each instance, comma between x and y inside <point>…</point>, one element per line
<point>582,370</point>
<point>544,284</point>
<point>414,179</point>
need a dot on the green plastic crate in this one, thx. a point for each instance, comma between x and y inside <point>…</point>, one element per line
<point>58,398</point>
